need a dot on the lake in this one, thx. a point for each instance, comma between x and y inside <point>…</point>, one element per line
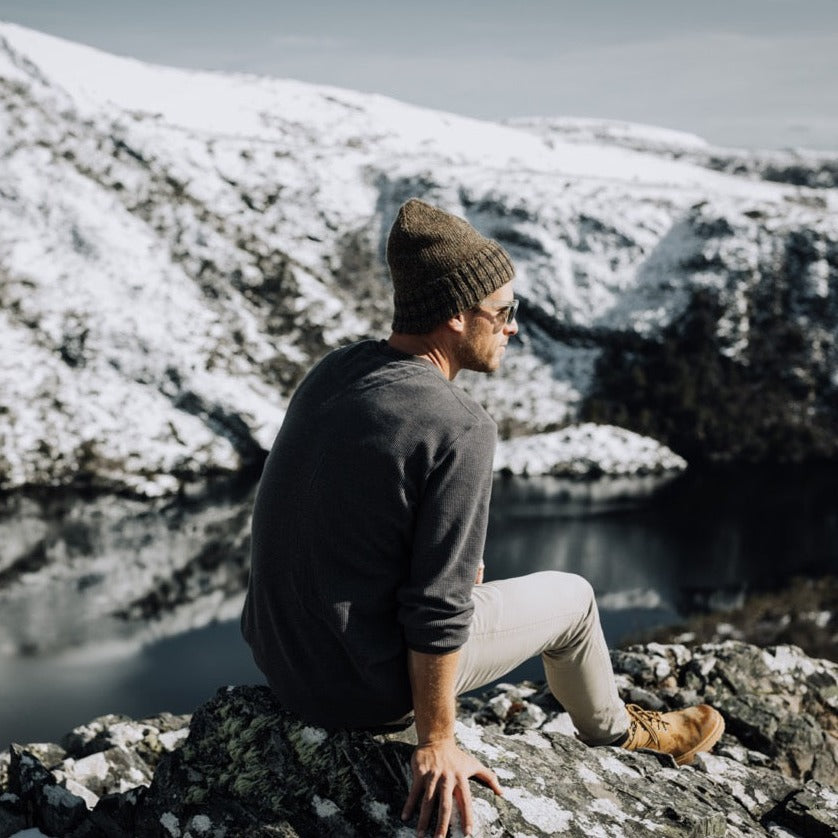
<point>653,549</point>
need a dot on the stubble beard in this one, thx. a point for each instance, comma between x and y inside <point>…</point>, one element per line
<point>470,357</point>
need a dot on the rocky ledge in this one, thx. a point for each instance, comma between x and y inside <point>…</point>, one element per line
<point>242,767</point>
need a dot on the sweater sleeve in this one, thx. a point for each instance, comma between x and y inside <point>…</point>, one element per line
<point>435,604</point>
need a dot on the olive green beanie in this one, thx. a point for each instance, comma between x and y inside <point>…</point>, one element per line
<point>440,265</point>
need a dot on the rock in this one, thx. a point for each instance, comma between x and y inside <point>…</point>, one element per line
<point>308,782</point>
<point>90,785</point>
<point>116,814</point>
<point>12,816</point>
<point>812,811</point>
<point>248,768</point>
<point>49,806</point>
<point>47,753</point>
<point>510,706</point>
<point>101,734</point>
<point>106,746</point>
<point>116,769</point>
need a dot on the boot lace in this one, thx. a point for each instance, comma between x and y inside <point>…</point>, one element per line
<point>648,720</point>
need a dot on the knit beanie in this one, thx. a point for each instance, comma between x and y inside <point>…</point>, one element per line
<point>440,265</point>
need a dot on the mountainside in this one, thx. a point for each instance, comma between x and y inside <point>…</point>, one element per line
<point>177,248</point>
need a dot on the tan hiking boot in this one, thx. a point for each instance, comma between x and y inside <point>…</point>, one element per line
<point>681,733</point>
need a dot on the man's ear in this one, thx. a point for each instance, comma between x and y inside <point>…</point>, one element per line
<point>457,323</point>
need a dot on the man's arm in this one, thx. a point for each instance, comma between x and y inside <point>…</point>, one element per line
<point>441,770</point>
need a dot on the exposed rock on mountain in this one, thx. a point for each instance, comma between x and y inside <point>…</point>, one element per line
<point>246,768</point>
<point>177,248</point>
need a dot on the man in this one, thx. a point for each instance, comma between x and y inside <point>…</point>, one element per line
<point>368,535</point>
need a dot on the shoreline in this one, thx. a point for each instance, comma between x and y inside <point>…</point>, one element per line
<point>803,614</point>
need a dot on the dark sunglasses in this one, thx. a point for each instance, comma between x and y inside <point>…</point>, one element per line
<point>509,308</point>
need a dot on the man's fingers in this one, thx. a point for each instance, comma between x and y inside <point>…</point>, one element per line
<point>427,809</point>
<point>424,815</point>
<point>489,778</point>
<point>463,795</point>
<point>443,816</point>
<point>430,789</point>
<point>416,788</point>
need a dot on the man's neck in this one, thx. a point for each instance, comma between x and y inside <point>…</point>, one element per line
<point>425,347</point>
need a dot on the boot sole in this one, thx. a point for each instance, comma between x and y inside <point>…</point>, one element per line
<point>706,744</point>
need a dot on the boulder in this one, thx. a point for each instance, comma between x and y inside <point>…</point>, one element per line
<point>248,768</point>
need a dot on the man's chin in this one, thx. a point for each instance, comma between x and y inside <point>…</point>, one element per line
<point>483,364</point>
<point>495,363</point>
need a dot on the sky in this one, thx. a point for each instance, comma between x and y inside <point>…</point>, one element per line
<point>744,73</point>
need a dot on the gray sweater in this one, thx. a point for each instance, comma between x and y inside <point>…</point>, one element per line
<point>368,529</point>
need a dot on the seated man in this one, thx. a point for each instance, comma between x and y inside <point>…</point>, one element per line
<point>369,527</point>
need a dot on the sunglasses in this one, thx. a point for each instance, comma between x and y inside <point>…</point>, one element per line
<point>507,308</point>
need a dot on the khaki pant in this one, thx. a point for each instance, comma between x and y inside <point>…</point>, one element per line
<point>554,615</point>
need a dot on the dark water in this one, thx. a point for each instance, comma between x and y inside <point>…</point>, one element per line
<point>652,552</point>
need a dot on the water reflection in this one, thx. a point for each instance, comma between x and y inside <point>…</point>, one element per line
<point>651,551</point>
<point>42,698</point>
<point>702,534</point>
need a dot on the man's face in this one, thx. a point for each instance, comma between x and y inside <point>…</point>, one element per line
<point>486,332</point>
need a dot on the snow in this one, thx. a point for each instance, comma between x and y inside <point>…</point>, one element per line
<point>587,130</point>
<point>583,450</point>
<point>251,107</point>
<point>172,739</point>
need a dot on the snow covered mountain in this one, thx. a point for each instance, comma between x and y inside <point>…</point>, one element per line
<point>177,247</point>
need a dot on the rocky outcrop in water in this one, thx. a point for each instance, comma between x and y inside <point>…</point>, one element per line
<point>245,768</point>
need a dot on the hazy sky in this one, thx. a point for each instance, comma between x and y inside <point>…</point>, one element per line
<point>738,72</point>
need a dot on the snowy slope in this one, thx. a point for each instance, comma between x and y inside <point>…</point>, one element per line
<point>798,166</point>
<point>177,247</point>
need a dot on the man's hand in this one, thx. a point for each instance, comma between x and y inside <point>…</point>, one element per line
<point>441,772</point>
<point>440,769</point>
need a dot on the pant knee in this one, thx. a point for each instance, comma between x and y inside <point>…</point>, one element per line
<point>586,590</point>
<point>579,598</point>
<point>582,590</point>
